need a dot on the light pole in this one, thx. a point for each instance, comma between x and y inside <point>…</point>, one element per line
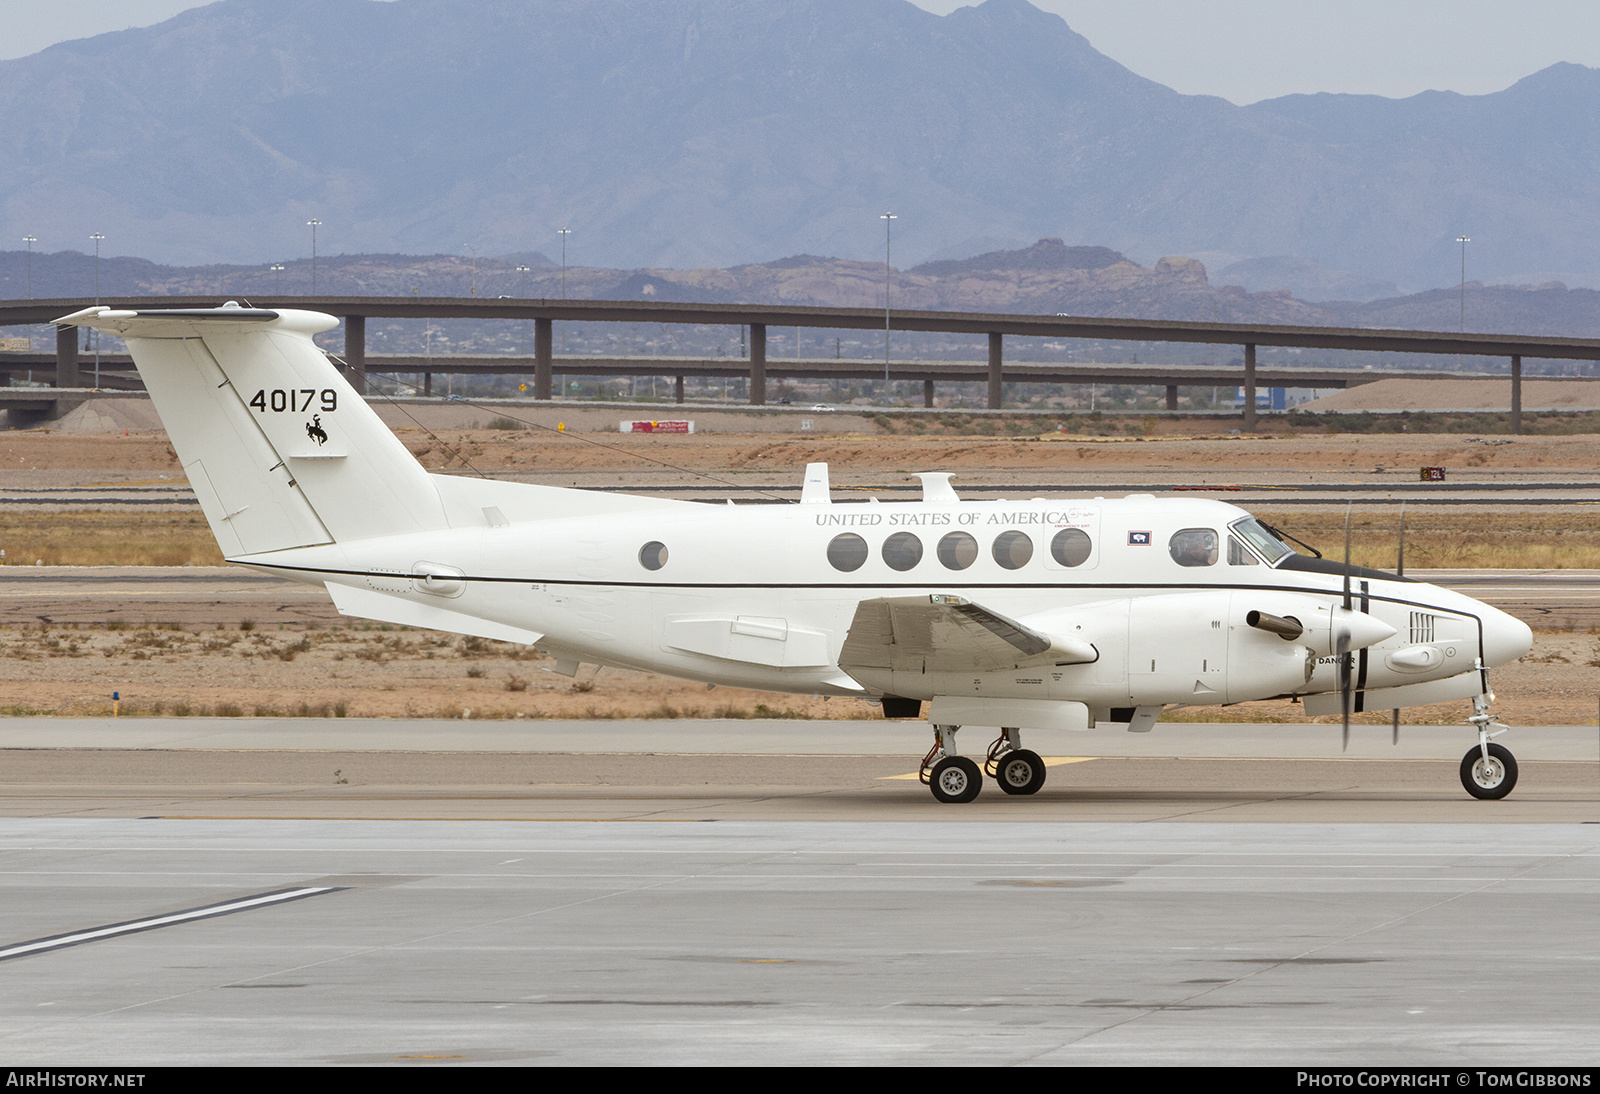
<point>313,224</point>
<point>565,232</point>
<point>473,288</point>
<point>523,268</point>
<point>888,232</point>
<point>97,237</point>
<point>30,241</point>
<point>1463,240</point>
<point>277,272</point>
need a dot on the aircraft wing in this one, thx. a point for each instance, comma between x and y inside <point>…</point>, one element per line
<point>942,633</point>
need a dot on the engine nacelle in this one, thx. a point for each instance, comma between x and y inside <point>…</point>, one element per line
<point>1191,648</point>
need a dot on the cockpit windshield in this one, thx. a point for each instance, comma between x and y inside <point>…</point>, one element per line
<point>1270,547</point>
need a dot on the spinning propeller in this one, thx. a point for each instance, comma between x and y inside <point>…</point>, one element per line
<point>1400,571</point>
<point>1342,637</point>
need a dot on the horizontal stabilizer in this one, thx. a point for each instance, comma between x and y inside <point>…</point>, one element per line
<point>383,608</point>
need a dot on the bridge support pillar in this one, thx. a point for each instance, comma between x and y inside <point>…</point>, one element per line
<point>758,364</point>
<point>1250,387</point>
<point>677,389</point>
<point>1516,393</point>
<point>67,357</point>
<point>927,394</point>
<point>355,351</point>
<point>543,357</point>
<point>1172,397</point>
<point>995,385</point>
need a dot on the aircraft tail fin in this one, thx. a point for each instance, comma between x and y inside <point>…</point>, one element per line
<point>279,448</point>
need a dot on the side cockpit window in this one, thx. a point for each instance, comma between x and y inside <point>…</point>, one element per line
<point>1194,547</point>
<point>1267,545</point>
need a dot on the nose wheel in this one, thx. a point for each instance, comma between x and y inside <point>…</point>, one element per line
<point>1489,776</point>
<point>1488,771</point>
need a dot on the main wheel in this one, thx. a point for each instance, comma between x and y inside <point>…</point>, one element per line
<point>1019,772</point>
<point>955,779</point>
<point>1492,778</point>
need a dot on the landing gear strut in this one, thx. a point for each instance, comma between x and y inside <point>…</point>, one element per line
<point>952,778</point>
<point>1488,771</point>
<point>1016,769</point>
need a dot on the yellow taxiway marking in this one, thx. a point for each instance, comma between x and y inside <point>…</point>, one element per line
<point>1049,761</point>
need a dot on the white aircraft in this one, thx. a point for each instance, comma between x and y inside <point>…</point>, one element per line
<point>1044,614</point>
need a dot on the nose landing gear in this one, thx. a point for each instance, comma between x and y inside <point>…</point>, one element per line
<point>1488,771</point>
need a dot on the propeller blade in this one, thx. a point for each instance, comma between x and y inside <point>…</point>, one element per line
<point>1344,643</point>
<point>1400,561</point>
<point>1345,697</point>
<point>1396,740</point>
<point>1347,509</point>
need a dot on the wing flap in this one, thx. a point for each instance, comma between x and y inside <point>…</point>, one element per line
<point>942,633</point>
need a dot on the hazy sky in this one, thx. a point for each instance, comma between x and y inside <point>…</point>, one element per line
<point>1243,50</point>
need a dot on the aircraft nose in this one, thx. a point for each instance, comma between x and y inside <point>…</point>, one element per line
<point>1505,637</point>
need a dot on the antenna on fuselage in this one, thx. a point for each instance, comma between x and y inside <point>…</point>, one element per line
<point>814,489</point>
<point>936,487</point>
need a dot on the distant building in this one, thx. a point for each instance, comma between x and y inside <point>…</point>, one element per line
<point>1280,398</point>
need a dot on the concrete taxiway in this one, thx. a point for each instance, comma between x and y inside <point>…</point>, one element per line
<point>691,769</point>
<point>330,891</point>
<point>431,943</point>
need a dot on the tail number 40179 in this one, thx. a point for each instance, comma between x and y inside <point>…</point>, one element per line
<point>292,400</point>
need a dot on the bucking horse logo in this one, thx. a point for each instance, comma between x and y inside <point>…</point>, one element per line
<point>315,431</point>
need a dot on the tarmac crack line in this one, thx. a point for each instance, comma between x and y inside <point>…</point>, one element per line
<point>1289,961</point>
<point>386,946</point>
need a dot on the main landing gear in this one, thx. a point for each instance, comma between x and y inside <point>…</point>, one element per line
<point>1488,771</point>
<point>954,778</point>
<point>1017,770</point>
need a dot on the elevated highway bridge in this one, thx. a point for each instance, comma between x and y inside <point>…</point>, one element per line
<point>66,367</point>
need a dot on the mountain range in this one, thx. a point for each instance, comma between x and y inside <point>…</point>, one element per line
<point>708,133</point>
<point>1047,277</point>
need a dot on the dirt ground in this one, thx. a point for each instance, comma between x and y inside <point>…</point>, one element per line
<point>389,672</point>
<point>373,671</point>
<point>37,457</point>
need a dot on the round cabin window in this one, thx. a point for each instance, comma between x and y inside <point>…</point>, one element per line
<point>957,551</point>
<point>1071,547</point>
<point>847,551</point>
<point>653,555</point>
<point>902,551</point>
<point>1013,549</point>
